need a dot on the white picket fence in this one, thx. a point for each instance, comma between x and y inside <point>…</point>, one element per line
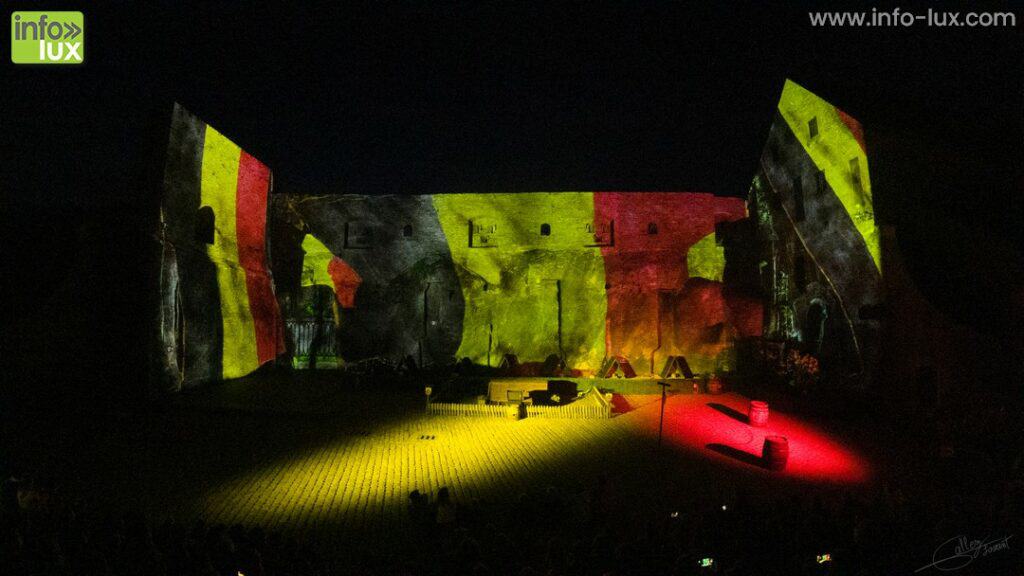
<point>494,411</point>
<point>512,410</point>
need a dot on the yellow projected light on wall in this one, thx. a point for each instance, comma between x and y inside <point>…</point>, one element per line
<point>523,295</point>
<point>219,191</point>
<point>315,263</point>
<point>833,141</point>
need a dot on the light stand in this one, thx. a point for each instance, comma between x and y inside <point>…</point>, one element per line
<point>661,420</point>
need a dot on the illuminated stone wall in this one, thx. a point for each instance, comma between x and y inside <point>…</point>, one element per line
<point>819,244</point>
<point>395,285</point>
<point>219,315</point>
<point>577,275</point>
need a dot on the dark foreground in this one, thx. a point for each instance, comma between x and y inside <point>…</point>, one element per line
<point>226,484</point>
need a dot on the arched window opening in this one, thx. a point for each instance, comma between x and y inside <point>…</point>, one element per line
<point>814,325</point>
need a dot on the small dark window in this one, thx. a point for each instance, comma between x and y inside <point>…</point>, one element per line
<point>652,228</point>
<point>798,199</point>
<point>812,127</point>
<point>855,171</point>
<point>485,287</point>
<point>545,229</point>
<point>607,285</point>
<point>204,225</point>
<point>407,230</point>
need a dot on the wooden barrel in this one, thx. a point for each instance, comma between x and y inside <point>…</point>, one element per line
<point>775,452</point>
<point>757,415</point>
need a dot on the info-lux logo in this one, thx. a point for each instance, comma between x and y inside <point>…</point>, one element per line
<point>47,38</point>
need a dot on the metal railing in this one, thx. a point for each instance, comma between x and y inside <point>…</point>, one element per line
<point>302,333</point>
<point>568,411</point>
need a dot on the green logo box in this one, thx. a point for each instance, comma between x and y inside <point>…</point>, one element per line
<point>47,38</point>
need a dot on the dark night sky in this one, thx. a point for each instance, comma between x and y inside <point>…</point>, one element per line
<point>397,98</point>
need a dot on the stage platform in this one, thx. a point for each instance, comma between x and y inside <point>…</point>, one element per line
<point>339,463</point>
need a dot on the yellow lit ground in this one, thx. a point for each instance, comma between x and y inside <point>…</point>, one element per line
<point>358,478</point>
<point>335,464</point>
